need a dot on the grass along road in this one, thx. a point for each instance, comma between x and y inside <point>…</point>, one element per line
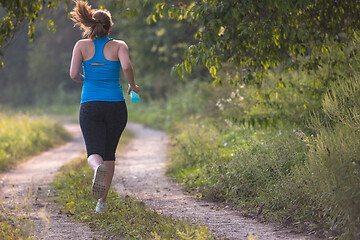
<point>141,172</point>
<point>23,188</point>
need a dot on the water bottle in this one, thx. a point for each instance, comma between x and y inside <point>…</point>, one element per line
<point>134,97</point>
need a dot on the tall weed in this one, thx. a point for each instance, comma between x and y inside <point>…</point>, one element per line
<point>335,158</point>
<point>242,147</point>
<point>23,135</point>
<point>16,221</point>
<point>245,166</point>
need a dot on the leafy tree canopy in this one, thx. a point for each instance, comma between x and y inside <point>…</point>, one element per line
<point>154,47</point>
<point>14,13</point>
<point>251,36</point>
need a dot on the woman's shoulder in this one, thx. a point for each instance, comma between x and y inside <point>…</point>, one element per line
<point>83,42</point>
<point>119,43</point>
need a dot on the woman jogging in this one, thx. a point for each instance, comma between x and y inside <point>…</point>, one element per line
<point>103,113</point>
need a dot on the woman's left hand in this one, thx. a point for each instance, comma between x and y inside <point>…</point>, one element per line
<point>135,88</point>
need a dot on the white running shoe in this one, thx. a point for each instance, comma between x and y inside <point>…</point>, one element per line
<point>101,207</point>
<point>98,185</point>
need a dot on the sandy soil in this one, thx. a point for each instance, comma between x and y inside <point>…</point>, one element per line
<point>26,184</point>
<point>139,172</point>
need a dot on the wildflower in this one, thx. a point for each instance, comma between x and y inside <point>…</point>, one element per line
<point>228,122</point>
<point>262,143</point>
<point>225,144</point>
<point>198,130</point>
<point>294,130</point>
<point>232,95</point>
<point>280,133</point>
<point>220,105</point>
<point>272,138</point>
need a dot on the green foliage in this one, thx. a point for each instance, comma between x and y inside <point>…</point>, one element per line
<point>253,36</point>
<point>15,221</point>
<point>342,103</point>
<point>291,177</point>
<point>154,47</point>
<point>23,135</point>
<point>126,218</point>
<point>191,101</point>
<point>13,76</point>
<point>48,61</point>
<point>18,12</point>
<point>246,167</point>
<point>334,157</point>
<point>7,231</point>
<point>41,67</point>
<point>334,161</point>
<point>282,98</point>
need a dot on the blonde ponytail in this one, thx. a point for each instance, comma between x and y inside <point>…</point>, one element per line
<point>94,22</point>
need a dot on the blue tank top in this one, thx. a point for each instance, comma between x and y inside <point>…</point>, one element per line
<point>101,82</point>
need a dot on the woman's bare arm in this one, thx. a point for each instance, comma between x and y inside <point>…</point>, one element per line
<point>126,65</point>
<point>76,62</point>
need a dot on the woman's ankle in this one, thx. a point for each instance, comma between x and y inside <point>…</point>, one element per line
<point>94,161</point>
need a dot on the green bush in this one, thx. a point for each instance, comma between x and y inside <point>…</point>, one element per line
<point>228,147</point>
<point>246,166</point>
<point>190,101</point>
<point>335,158</point>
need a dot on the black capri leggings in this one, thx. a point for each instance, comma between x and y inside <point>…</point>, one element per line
<point>102,124</point>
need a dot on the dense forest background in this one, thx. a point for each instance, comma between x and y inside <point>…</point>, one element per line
<point>37,72</point>
<point>261,98</point>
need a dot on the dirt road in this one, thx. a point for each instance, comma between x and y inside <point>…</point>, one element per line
<point>36,173</point>
<point>140,172</point>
